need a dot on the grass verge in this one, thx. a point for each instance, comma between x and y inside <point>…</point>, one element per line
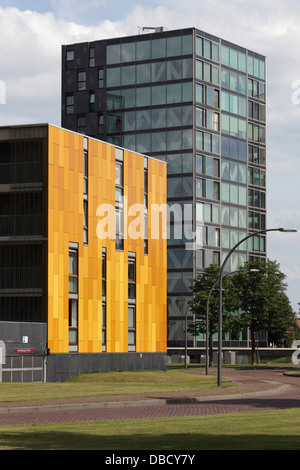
<point>111,384</point>
<point>271,430</point>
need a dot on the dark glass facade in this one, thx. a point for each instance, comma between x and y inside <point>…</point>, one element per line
<point>197,102</point>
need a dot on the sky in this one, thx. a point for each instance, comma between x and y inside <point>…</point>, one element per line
<point>32,32</point>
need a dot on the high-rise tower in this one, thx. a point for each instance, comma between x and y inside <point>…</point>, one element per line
<point>198,102</point>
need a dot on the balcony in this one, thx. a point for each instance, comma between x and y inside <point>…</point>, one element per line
<point>21,225</point>
<point>21,173</point>
<point>15,278</point>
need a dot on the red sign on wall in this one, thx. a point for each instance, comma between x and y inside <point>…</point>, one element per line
<point>24,351</point>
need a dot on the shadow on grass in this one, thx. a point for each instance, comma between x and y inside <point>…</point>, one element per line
<point>169,442</point>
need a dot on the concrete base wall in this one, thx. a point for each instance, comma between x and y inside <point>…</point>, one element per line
<point>61,367</point>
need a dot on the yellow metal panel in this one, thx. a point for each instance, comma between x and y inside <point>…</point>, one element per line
<point>65,223</point>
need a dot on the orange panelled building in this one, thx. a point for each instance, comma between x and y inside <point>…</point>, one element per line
<point>66,229</point>
<point>105,274</point>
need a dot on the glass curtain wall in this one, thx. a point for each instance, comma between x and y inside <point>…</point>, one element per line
<point>199,103</point>
<point>150,110</point>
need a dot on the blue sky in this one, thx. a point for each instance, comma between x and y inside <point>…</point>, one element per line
<point>32,32</point>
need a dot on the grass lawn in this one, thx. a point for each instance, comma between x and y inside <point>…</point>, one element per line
<point>111,383</point>
<point>295,373</point>
<point>272,430</point>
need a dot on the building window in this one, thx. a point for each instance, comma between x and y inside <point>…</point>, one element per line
<point>131,328</point>
<point>257,220</point>
<point>257,243</point>
<point>103,276</point>
<point>101,77</point>
<point>212,167</point>
<point>207,188</point>
<point>73,272</point>
<point>256,133</point>
<point>256,111</point>
<point>81,80</point>
<point>208,49</point>
<point>233,81</point>
<point>85,192</point>
<point>207,118</point>
<point>207,95</point>
<point>85,222</point>
<point>73,300</point>
<point>211,236</point>
<point>256,177</point>
<point>257,199</point>
<point>73,325</point>
<point>104,300</point>
<point>92,57</point>
<point>256,89</point>
<point>145,206</point>
<point>207,72</point>
<point>85,173</point>
<point>70,56</point>
<point>69,104</point>
<point>211,257</point>
<point>119,190</point>
<point>131,304</point>
<point>81,124</point>
<point>208,142</point>
<point>131,279</point>
<point>92,102</point>
<point>101,123</point>
<point>257,155</point>
<point>103,327</point>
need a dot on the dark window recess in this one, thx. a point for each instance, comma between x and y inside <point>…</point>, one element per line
<point>22,282</point>
<point>21,162</point>
<point>21,214</point>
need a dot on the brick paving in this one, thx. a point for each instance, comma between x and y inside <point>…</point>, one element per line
<point>255,390</point>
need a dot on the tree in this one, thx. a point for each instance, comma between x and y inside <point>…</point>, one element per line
<point>263,301</point>
<point>282,326</point>
<point>200,289</point>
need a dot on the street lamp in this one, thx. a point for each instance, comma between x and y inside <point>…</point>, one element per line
<point>207,310</point>
<point>186,335</point>
<point>220,292</point>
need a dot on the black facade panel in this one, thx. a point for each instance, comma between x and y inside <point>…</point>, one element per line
<point>61,367</point>
<point>23,224</point>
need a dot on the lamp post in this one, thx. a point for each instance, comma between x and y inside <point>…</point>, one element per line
<point>207,325</point>
<point>207,311</point>
<point>220,292</point>
<point>186,336</point>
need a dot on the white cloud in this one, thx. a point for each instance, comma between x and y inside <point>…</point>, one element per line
<point>30,50</point>
<point>293,273</point>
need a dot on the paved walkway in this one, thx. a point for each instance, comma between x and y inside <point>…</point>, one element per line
<point>254,390</point>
